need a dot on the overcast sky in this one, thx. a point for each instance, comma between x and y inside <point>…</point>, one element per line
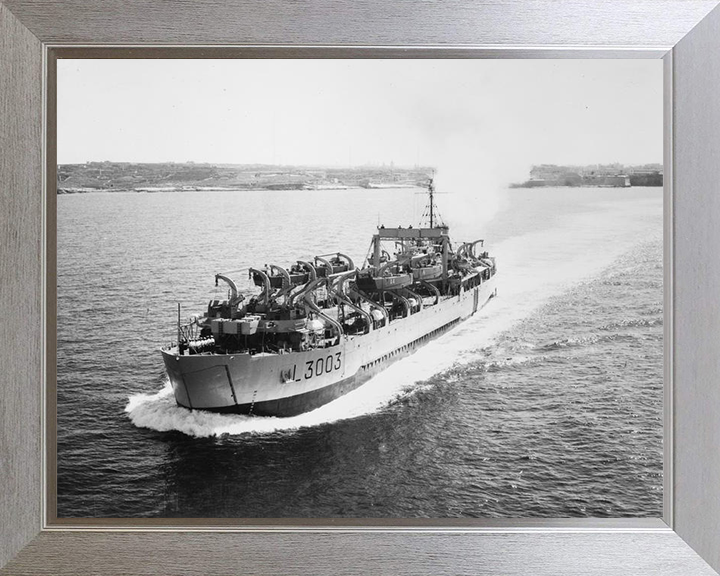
<point>501,114</point>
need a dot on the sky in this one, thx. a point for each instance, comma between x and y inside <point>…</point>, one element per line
<point>498,116</point>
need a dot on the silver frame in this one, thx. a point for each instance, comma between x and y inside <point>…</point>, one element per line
<point>331,546</point>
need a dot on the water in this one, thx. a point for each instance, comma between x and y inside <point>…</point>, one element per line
<point>548,402</point>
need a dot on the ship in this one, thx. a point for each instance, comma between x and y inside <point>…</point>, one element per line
<point>322,327</point>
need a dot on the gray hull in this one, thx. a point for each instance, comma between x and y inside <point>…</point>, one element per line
<point>294,383</point>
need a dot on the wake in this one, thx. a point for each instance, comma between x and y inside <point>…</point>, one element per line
<point>532,269</point>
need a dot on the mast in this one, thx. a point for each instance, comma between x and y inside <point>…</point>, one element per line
<point>179,333</point>
<point>431,191</point>
<point>430,214</point>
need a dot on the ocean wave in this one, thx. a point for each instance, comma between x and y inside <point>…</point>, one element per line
<point>632,323</point>
<point>466,345</point>
<point>159,412</point>
<point>590,340</point>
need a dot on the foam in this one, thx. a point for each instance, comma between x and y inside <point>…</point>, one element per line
<point>532,269</point>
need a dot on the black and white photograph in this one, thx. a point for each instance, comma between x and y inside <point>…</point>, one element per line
<point>360,288</point>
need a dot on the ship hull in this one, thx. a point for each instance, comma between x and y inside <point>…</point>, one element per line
<point>294,383</point>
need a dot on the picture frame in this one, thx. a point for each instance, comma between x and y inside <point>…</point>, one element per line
<point>686,34</point>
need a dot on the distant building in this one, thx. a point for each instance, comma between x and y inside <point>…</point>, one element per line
<point>606,175</point>
<point>607,181</point>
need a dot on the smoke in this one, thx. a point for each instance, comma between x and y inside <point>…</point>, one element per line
<point>472,149</point>
<point>469,182</point>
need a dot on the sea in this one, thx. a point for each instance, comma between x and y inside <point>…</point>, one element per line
<point>546,403</point>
